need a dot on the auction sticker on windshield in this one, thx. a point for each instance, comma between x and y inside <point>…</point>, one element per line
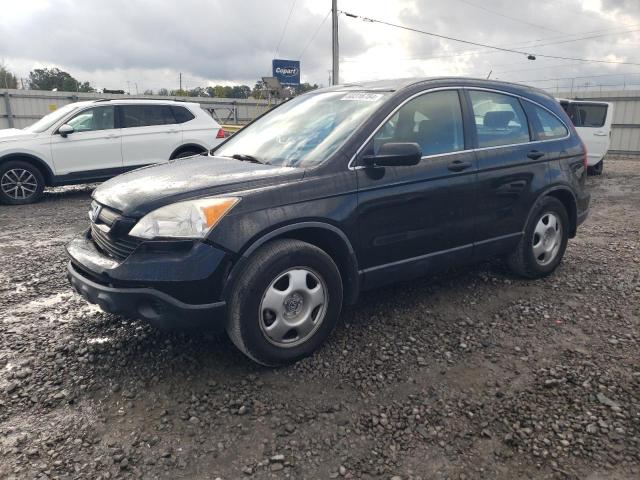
<point>362,96</point>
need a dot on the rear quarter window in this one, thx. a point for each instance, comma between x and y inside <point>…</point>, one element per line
<point>547,126</point>
<point>182,114</point>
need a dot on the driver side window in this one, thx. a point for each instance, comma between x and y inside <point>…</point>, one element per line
<point>92,119</point>
<point>432,120</point>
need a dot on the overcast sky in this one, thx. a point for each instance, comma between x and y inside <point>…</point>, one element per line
<point>148,42</point>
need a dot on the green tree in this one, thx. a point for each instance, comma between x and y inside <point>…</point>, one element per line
<point>148,92</point>
<point>163,91</point>
<point>178,93</point>
<point>7,79</point>
<point>258,88</point>
<point>48,79</point>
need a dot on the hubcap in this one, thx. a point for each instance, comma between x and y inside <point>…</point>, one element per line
<point>293,307</point>
<point>547,238</point>
<point>18,183</point>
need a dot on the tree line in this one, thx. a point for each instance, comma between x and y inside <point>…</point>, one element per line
<point>56,79</point>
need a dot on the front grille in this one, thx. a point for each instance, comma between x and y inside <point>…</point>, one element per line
<point>119,248</point>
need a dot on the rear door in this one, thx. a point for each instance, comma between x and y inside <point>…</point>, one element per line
<point>593,123</point>
<point>150,134</point>
<point>417,219</point>
<point>510,170</point>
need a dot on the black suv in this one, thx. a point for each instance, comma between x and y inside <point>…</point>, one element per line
<point>331,193</point>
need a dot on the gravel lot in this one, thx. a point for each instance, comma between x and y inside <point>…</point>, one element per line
<point>473,374</point>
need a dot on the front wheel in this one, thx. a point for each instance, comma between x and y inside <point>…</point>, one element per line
<point>20,183</point>
<point>285,303</point>
<point>545,238</point>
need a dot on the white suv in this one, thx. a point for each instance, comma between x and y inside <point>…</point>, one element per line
<point>92,141</point>
<point>593,123</point>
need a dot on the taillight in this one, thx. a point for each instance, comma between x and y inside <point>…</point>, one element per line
<point>585,162</point>
<point>220,133</point>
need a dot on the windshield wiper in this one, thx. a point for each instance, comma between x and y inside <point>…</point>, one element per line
<point>246,158</point>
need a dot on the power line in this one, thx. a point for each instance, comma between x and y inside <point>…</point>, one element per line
<point>484,45</point>
<point>284,30</point>
<point>493,12</point>
<point>315,34</point>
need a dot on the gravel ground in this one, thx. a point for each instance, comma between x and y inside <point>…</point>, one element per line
<point>472,374</point>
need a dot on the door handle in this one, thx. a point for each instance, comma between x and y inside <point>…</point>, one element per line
<point>600,134</point>
<point>535,154</point>
<point>112,135</point>
<point>458,165</point>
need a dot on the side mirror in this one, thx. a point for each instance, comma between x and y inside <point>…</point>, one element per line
<point>65,130</point>
<point>395,155</point>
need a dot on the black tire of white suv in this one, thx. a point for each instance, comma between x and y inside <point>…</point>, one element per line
<point>20,183</point>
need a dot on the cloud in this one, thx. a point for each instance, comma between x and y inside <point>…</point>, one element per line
<point>149,42</point>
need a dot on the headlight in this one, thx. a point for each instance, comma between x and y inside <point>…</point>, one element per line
<point>191,219</point>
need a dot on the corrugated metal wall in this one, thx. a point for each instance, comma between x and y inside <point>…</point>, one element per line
<point>20,108</point>
<point>625,135</point>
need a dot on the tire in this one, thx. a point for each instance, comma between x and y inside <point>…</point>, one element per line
<point>20,183</point>
<point>524,260</point>
<point>597,168</point>
<point>273,278</point>
<point>187,153</point>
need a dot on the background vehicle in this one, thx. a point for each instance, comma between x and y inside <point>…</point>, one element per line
<point>593,123</point>
<point>331,193</point>
<point>92,141</point>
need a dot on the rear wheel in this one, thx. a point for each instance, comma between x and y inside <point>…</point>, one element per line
<point>542,246</point>
<point>597,168</point>
<point>20,183</point>
<point>285,303</point>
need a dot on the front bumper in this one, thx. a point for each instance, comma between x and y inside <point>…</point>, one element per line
<point>171,288</point>
<point>158,308</point>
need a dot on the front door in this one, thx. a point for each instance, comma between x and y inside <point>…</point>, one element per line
<point>93,150</point>
<point>414,220</point>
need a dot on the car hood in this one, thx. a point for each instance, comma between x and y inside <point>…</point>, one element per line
<point>140,191</point>
<point>10,134</point>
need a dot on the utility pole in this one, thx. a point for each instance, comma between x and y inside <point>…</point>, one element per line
<point>180,81</point>
<point>136,84</point>
<point>334,46</point>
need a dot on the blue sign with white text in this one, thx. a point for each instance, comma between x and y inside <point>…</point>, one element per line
<point>287,71</point>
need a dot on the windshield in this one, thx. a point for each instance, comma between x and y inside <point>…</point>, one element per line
<point>304,131</point>
<point>48,120</point>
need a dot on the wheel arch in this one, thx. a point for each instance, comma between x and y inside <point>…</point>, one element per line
<point>185,147</point>
<point>566,196</point>
<point>325,236</point>
<point>47,173</point>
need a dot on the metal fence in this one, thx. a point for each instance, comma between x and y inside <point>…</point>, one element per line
<point>625,132</point>
<point>20,108</point>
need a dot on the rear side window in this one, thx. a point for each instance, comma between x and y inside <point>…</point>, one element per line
<point>499,119</point>
<point>432,120</point>
<point>146,115</point>
<point>587,115</point>
<point>548,125</point>
<point>182,114</point>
